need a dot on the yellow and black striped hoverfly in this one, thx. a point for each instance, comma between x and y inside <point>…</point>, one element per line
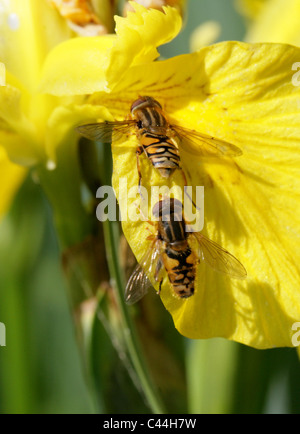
<point>177,252</point>
<point>157,138</point>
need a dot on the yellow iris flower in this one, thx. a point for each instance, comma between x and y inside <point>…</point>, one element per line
<point>23,46</point>
<point>11,175</point>
<point>30,122</point>
<point>242,93</point>
<point>250,8</point>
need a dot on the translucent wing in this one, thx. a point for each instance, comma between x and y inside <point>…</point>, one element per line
<point>106,131</point>
<point>202,144</point>
<point>139,283</point>
<point>218,258</point>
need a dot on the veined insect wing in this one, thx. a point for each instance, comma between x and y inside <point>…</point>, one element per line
<point>137,285</point>
<point>198,143</point>
<point>106,131</point>
<point>139,282</point>
<point>218,258</point>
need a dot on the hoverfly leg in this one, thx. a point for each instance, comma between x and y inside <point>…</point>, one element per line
<point>186,193</point>
<point>159,289</point>
<point>138,153</point>
<point>156,275</point>
<point>144,217</point>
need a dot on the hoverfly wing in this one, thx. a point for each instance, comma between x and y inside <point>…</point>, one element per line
<point>139,282</point>
<point>198,143</point>
<point>218,258</point>
<point>106,131</point>
<point>137,285</point>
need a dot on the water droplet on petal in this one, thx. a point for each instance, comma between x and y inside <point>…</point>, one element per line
<point>13,21</point>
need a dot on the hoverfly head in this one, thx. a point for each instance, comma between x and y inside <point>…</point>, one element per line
<point>167,207</point>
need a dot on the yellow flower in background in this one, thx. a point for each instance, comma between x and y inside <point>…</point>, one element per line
<point>11,174</point>
<point>30,122</point>
<point>250,8</point>
<point>205,34</point>
<point>242,93</point>
<point>22,48</point>
<point>32,125</point>
<point>274,21</point>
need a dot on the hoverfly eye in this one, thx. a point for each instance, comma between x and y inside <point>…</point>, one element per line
<point>138,102</point>
<point>176,205</point>
<point>156,211</point>
<point>166,207</point>
<point>145,101</point>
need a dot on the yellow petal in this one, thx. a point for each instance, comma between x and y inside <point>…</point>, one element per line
<point>249,217</point>
<point>17,133</point>
<point>10,110</point>
<point>138,36</point>
<point>11,177</point>
<point>241,93</point>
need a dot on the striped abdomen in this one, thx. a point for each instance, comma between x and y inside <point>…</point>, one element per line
<point>181,269</point>
<point>152,132</point>
<point>178,258</point>
<point>162,153</point>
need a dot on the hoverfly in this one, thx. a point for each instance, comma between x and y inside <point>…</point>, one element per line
<point>157,138</point>
<point>172,250</point>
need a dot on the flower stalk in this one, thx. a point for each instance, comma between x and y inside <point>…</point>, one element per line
<point>129,333</point>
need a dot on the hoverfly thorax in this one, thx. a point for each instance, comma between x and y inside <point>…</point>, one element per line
<point>152,130</point>
<point>171,225</point>
<point>149,115</point>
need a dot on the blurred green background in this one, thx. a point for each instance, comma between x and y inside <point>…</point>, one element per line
<point>40,367</point>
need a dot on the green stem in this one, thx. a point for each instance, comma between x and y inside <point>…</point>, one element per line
<point>63,189</point>
<point>211,366</point>
<point>16,379</point>
<point>130,334</point>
